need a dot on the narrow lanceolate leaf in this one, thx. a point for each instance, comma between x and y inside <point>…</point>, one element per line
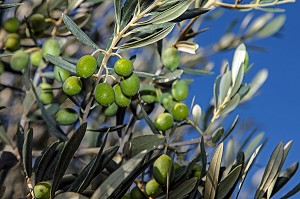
<point>238,80</point>
<point>72,195</point>
<point>44,161</point>
<point>148,75</point>
<point>27,153</point>
<point>216,91</point>
<point>253,144</point>
<point>116,178</point>
<point>78,33</point>
<point>100,162</point>
<point>51,123</point>
<point>149,121</point>
<point>225,84</point>
<point>247,167</point>
<point>145,142</point>
<point>127,12</point>
<point>149,39</point>
<point>295,190</point>
<point>61,63</point>
<point>228,183</point>
<point>231,105</point>
<point>3,136</point>
<point>271,171</point>
<point>171,13</point>
<point>189,14</point>
<point>272,27</point>
<point>66,156</point>
<point>238,59</point>
<point>212,174</point>
<point>184,189</point>
<point>284,177</point>
<point>150,27</point>
<point>118,5</point>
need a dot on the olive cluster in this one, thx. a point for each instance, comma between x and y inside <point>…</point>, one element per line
<point>176,110</point>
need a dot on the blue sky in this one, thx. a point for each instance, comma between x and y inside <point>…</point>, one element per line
<point>276,109</point>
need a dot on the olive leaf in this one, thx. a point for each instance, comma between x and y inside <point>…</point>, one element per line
<point>61,63</point>
<point>272,27</point>
<point>11,5</point>
<point>27,153</point>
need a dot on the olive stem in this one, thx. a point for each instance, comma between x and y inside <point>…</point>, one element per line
<point>109,52</point>
<point>99,50</point>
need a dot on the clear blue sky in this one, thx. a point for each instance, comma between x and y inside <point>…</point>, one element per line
<point>276,109</point>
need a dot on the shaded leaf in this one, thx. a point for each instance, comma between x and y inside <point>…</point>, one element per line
<point>233,125</point>
<point>216,91</point>
<point>53,127</point>
<point>212,174</point>
<point>192,71</point>
<point>190,13</point>
<point>144,142</point>
<point>3,136</point>
<point>78,33</point>
<point>106,189</point>
<point>176,74</point>
<point>228,183</point>
<point>148,120</point>
<point>148,75</point>
<point>183,189</point>
<point>150,27</point>
<point>70,195</point>
<point>66,156</point>
<point>108,129</point>
<point>127,12</point>
<point>295,190</point>
<point>11,5</point>
<point>253,144</point>
<point>118,5</point>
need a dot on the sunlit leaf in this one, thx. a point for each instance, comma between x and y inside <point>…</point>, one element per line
<point>225,84</point>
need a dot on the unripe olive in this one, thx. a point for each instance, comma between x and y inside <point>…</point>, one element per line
<point>120,99</point>
<point>61,74</point>
<point>170,58</point>
<point>180,111</point>
<point>11,25</point>
<point>72,85</point>
<point>19,60</point>
<point>153,189</point>
<point>37,23</point>
<point>111,110</point>
<point>130,85</point>
<point>136,193</point>
<point>161,168</point>
<point>46,94</point>
<point>180,90</point>
<point>165,99</point>
<point>86,66</point>
<point>42,190</point>
<point>35,58</point>
<point>104,94</point>
<point>66,116</point>
<point>12,42</point>
<point>164,121</point>
<point>52,47</point>
<point>123,67</point>
<point>148,94</point>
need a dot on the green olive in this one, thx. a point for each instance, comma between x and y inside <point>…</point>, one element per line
<point>165,99</point>
<point>130,85</point>
<point>46,94</point>
<point>120,99</point>
<point>72,85</point>
<point>111,110</point>
<point>104,94</point>
<point>36,58</point>
<point>12,42</point>
<point>19,60</point>
<point>52,47</point>
<point>11,25</point>
<point>170,58</point>
<point>42,190</point>
<point>180,111</point>
<point>153,189</point>
<point>161,169</point>
<point>61,74</point>
<point>123,67</point>
<point>180,90</point>
<point>66,116</point>
<point>37,23</point>
<point>148,94</point>
<point>86,66</point>
<point>164,121</point>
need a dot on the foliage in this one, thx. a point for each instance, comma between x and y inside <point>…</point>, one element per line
<point>88,141</point>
